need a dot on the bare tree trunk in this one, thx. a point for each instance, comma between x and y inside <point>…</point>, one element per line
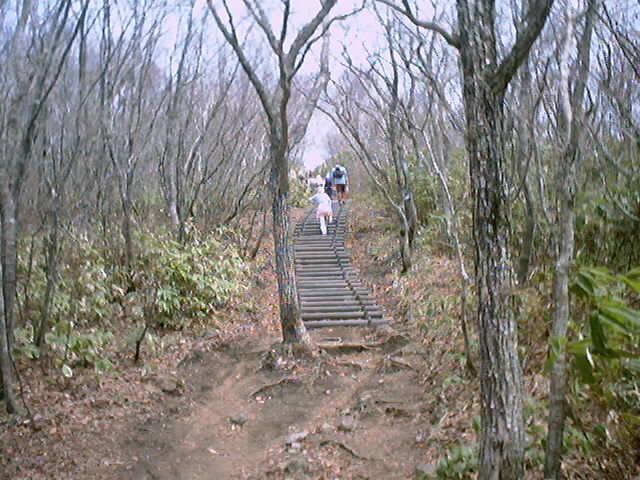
<point>8,250</point>
<point>502,434</point>
<point>409,217</point>
<point>7,313</point>
<point>524,161</point>
<point>25,107</point>
<point>263,230</point>
<point>412,212</point>
<point>502,422</point>
<point>572,114</point>
<point>170,163</point>
<point>127,230</point>
<point>172,196</point>
<point>293,329</point>
<point>484,83</point>
<point>560,322</point>
<point>405,244</point>
<point>528,236</point>
<point>275,107</point>
<point>51,271</point>
<point>444,197</point>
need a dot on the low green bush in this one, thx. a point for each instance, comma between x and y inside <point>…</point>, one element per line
<point>459,463</point>
<point>191,280</point>
<point>603,402</point>
<point>171,286</point>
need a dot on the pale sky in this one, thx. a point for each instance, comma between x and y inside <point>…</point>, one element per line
<point>359,34</point>
<point>353,33</point>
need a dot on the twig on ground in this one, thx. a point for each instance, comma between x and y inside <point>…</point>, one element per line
<point>345,447</point>
<point>282,381</point>
<point>348,364</point>
<point>339,348</point>
<point>400,363</point>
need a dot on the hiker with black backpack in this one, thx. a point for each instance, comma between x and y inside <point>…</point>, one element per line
<point>328,185</point>
<point>340,182</point>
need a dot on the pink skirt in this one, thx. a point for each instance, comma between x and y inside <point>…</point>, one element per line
<point>323,211</point>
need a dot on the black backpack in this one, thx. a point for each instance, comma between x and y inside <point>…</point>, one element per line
<point>338,172</point>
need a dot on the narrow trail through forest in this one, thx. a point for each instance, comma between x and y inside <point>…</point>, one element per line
<point>376,403</point>
<point>225,402</point>
<point>359,410</point>
<point>263,416</point>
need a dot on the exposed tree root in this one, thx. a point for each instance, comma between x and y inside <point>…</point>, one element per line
<point>337,443</point>
<point>282,381</point>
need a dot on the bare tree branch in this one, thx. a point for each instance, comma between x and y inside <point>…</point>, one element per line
<point>533,22</point>
<point>231,36</point>
<point>258,14</point>
<point>450,38</point>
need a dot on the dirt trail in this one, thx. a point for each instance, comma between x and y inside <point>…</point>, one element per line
<point>366,412</point>
<point>354,414</point>
<point>376,404</point>
<point>381,404</point>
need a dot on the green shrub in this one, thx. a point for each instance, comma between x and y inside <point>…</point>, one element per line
<point>459,463</point>
<point>171,285</point>
<point>82,348</point>
<point>610,326</point>
<point>605,366</point>
<point>190,280</point>
<point>607,229</point>
<point>84,288</point>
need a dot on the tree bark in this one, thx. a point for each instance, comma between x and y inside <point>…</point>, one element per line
<point>127,230</point>
<point>7,312</point>
<point>8,249</point>
<point>502,423</point>
<point>484,84</point>
<point>573,114</point>
<point>528,235</point>
<point>51,271</point>
<point>405,244</point>
<point>502,434</point>
<point>25,106</point>
<point>293,329</point>
<point>275,106</point>
<point>524,160</point>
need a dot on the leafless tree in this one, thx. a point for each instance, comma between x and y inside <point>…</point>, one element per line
<point>486,76</point>
<point>27,82</point>
<point>571,96</point>
<point>431,148</point>
<point>615,131</point>
<point>429,121</point>
<point>289,56</point>
<point>67,137</point>
<point>522,106</point>
<point>365,105</point>
<point>436,115</point>
<point>129,106</point>
<point>208,129</point>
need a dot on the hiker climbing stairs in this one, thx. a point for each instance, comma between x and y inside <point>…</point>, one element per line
<point>330,292</point>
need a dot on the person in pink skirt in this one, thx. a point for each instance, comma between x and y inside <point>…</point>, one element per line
<point>323,209</point>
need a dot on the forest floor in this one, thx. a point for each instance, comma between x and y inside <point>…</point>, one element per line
<point>378,404</point>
